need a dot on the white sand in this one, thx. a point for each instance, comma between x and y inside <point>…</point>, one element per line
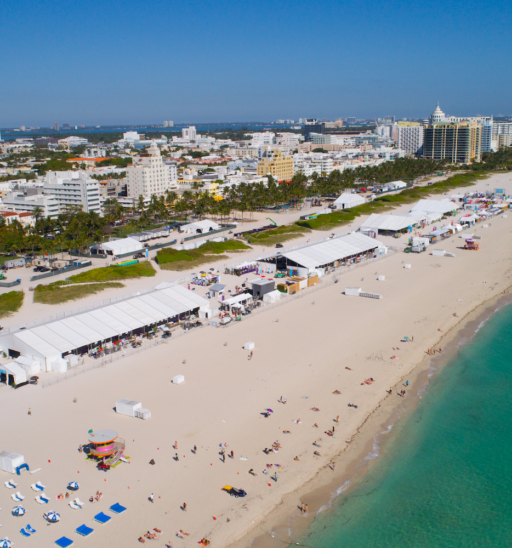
<point>305,353</point>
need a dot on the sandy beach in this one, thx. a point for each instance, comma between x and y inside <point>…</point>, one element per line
<point>306,349</point>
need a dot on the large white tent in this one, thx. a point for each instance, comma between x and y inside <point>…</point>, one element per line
<point>346,201</point>
<point>118,247</point>
<point>391,223</point>
<point>436,206</point>
<point>324,253</point>
<point>49,342</point>
<point>200,227</point>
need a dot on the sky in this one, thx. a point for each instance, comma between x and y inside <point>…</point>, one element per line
<point>143,62</point>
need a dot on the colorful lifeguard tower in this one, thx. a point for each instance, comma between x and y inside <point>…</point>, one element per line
<point>107,446</point>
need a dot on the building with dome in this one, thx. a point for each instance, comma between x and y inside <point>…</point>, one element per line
<point>438,115</point>
<point>150,176</point>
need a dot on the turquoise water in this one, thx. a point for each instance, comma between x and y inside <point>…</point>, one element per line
<point>445,479</point>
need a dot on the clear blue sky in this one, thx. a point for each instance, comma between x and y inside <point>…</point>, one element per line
<point>123,62</point>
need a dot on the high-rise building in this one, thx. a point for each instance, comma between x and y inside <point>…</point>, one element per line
<point>275,164</point>
<point>56,126</point>
<point>72,188</point>
<point>150,176</point>
<point>170,123</point>
<point>459,142</point>
<point>189,133</point>
<point>166,124</point>
<point>410,137</point>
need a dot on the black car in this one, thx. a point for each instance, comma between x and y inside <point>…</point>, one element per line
<point>36,269</point>
<point>44,269</point>
<point>279,245</point>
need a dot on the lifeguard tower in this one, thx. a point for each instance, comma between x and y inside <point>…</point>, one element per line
<point>107,446</point>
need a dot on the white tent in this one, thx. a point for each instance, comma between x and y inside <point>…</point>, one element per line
<point>243,298</point>
<point>14,369</point>
<point>118,247</point>
<point>436,206</point>
<point>272,296</point>
<point>346,201</point>
<point>31,367</point>
<point>47,343</point>
<point>395,185</point>
<point>393,223</point>
<point>127,407</point>
<point>200,227</point>
<point>178,379</point>
<point>324,253</point>
<point>9,461</point>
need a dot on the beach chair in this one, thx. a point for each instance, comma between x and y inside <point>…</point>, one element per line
<point>42,499</point>
<point>10,484</point>
<point>79,502</point>
<point>102,518</point>
<point>30,529</point>
<point>74,505</point>
<point>38,487</point>
<point>25,533</point>
<point>20,496</point>
<point>16,497</point>
<point>64,542</point>
<point>117,508</point>
<point>84,531</point>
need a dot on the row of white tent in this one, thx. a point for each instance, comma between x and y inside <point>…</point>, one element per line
<point>47,343</point>
<point>336,249</point>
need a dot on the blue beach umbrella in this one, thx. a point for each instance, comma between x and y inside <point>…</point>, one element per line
<point>5,543</point>
<point>18,511</point>
<point>74,485</point>
<point>53,517</point>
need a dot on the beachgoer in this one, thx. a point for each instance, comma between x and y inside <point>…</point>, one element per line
<point>177,458</point>
<point>406,383</point>
<point>29,411</point>
<point>306,509</point>
<point>296,458</point>
<point>183,533</point>
<point>151,497</point>
<point>195,449</point>
<point>184,506</point>
<point>175,445</point>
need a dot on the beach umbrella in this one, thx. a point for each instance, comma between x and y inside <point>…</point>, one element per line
<point>18,511</point>
<point>269,411</point>
<point>74,485</point>
<point>5,543</point>
<point>53,517</point>
<point>406,338</point>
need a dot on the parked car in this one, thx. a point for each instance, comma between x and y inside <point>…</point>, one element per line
<point>279,245</point>
<point>146,245</point>
<point>44,269</point>
<point>138,256</point>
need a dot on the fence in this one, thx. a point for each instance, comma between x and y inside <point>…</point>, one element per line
<point>59,271</point>
<point>90,364</point>
<point>9,284</point>
<point>223,229</point>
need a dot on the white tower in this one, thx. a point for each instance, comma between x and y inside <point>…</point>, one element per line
<point>438,115</point>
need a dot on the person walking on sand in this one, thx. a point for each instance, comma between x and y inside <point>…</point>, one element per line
<point>177,457</point>
<point>151,497</point>
<point>30,411</point>
<point>184,506</point>
<point>406,383</point>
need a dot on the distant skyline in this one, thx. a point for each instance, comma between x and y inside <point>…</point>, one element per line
<point>118,63</point>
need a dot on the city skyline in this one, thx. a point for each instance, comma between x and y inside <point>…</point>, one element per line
<point>338,59</point>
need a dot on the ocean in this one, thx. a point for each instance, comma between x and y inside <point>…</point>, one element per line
<point>444,477</point>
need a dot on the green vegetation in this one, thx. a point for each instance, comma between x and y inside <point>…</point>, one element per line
<point>54,165</point>
<point>277,235</point>
<point>112,273</point>
<point>388,201</point>
<point>117,162</point>
<point>10,302</point>
<point>61,292</point>
<point>172,259</point>
<point>4,258</point>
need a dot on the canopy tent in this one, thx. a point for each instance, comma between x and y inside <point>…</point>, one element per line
<point>436,206</point>
<point>47,343</point>
<point>390,223</point>
<point>430,217</point>
<point>272,297</point>
<point>9,461</point>
<point>346,201</point>
<point>29,365</point>
<point>324,253</point>
<point>200,227</point>
<point>395,185</point>
<point>18,373</point>
<point>117,247</point>
<point>241,299</point>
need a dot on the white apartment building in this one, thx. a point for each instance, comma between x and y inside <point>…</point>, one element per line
<point>73,141</point>
<point>261,139</point>
<point>290,140</point>
<point>410,139</point>
<point>189,133</point>
<point>150,176</point>
<point>20,203</point>
<point>72,188</point>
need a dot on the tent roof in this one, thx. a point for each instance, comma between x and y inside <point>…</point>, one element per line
<point>41,346</point>
<point>382,221</point>
<point>436,206</point>
<point>327,252</point>
<point>347,198</point>
<point>20,375</point>
<point>238,299</point>
<point>203,225</point>
<point>124,243</point>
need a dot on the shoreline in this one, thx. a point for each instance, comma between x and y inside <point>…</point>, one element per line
<point>367,443</point>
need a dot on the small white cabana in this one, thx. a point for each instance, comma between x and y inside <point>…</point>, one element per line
<point>15,370</point>
<point>128,407</point>
<point>272,296</point>
<point>9,461</point>
<point>238,300</point>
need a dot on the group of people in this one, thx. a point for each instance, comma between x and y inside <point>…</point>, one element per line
<point>95,498</point>
<point>432,351</point>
